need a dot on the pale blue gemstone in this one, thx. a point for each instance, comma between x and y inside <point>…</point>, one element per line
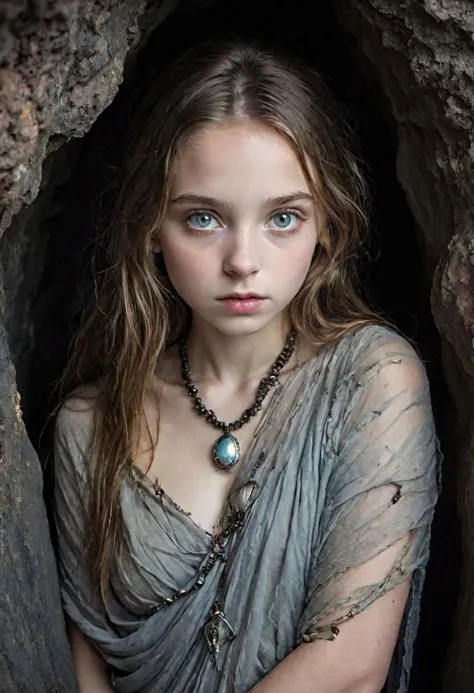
<point>227,451</point>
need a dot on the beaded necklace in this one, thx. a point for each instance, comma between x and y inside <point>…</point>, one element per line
<point>226,449</point>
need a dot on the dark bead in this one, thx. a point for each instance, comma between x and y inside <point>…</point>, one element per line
<point>192,392</point>
<point>201,409</point>
<point>198,400</point>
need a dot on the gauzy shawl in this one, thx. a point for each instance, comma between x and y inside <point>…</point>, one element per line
<point>344,464</point>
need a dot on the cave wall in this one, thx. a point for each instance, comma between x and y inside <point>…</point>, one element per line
<point>422,54</point>
<point>62,62</point>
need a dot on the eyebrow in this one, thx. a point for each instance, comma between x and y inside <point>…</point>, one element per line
<point>214,202</point>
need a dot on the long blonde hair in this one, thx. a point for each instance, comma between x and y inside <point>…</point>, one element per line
<point>135,314</point>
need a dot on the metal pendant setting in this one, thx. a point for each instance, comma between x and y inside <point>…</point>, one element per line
<point>217,631</point>
<point>226,451</point>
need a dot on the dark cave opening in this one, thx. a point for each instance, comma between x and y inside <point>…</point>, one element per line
<point>392,269</point>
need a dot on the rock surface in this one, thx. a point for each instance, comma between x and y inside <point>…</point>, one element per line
<point>62,64</point>
<point>34,654</point>
<point>422,54</point>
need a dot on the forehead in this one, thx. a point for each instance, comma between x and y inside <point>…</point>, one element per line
<point>242,160</point>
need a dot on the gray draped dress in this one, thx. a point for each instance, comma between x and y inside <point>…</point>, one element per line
<point>343,465</point>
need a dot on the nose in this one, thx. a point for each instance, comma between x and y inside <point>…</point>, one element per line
<point>241,256</point>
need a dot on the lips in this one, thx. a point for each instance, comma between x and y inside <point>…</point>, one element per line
<point>242,304</point>
<point>241,297</point>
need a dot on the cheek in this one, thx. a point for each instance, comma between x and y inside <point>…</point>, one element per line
<point>296,265</point>
<point>298,255</point>
<point>185,269</point>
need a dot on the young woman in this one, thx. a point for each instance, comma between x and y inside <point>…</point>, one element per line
<point>246,463</point>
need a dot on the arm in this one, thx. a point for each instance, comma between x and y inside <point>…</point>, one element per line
<point>92,672</point>
<point>358,659</point>
<point>374,531</point>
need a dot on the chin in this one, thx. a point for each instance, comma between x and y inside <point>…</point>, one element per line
<point>244,325</point>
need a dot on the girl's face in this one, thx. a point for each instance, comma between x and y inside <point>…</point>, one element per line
<point>240,229</point>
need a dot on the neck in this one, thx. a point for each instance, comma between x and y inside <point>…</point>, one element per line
<point>233,360</point>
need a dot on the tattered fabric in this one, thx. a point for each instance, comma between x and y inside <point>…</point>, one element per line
<point>349,467</point>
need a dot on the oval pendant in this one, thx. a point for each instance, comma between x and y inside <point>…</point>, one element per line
<point>226,451</point>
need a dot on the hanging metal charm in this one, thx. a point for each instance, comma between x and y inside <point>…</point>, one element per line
<point>217,631</point>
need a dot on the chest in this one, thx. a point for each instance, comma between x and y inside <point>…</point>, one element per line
<point>182,463</point>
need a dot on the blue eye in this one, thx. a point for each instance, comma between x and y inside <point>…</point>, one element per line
<point>286,221</point>
<point>203,221</point>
